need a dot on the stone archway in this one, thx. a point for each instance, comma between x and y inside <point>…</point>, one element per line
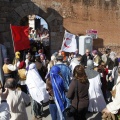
<point>53,19</point>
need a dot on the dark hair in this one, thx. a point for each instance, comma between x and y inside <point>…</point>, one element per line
<point>59,58</point>
<point>108,50</point>
<point>6,60</point>
<point>37,59</point>
<point>78,55</point>
<point>79,74</point>
<point>32,59</point>
<point>10,83</point>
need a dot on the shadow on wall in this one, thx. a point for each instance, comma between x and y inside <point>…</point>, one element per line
<point>51,16</point>
<point>98,43</point>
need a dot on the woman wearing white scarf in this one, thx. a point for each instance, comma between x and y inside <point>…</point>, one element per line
<point>35,84</point>
<point>96,99</point>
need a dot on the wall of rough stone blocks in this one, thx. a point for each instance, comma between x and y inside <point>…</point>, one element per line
<point>76,16</point>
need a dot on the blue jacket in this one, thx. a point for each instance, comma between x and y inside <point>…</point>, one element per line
<point>66,73</point>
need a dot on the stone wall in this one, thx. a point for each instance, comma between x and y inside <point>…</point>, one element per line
<point>76,16</point>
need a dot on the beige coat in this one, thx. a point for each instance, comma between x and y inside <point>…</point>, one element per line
<point>17,101</point>
<point>97,59</point>
<point>114,106</point>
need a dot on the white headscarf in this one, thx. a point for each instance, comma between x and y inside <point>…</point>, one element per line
<point>35,84</point>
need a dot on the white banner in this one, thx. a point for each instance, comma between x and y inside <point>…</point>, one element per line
<point>36,86</point>
<point>69,42</point>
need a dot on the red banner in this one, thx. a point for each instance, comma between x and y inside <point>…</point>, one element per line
<point>20,37</point>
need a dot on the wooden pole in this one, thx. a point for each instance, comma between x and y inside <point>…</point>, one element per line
<point>12,38</point>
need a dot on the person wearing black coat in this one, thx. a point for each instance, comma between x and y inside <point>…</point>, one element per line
<point>86,57</point>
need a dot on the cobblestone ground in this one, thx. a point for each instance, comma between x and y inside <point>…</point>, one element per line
<point>90,116</point>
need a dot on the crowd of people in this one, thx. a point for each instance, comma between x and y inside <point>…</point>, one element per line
<point>39,39</point>
<point>70,82</point>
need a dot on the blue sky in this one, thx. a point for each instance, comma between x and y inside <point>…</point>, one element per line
<point>43,22</point>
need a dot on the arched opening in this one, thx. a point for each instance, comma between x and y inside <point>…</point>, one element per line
<point>51,16</point>
<point>38,34</point>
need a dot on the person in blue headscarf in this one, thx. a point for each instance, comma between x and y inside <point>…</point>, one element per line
<point>58,90</point>
<point>65,71</point>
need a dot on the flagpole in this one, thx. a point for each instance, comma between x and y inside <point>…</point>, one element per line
<point>1,64</point>
<point>13,42</point>
<point>12,38</point>
<point>63,40</point>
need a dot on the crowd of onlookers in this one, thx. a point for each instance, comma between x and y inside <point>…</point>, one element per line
<point>39,39</point>
<point>82,83</point>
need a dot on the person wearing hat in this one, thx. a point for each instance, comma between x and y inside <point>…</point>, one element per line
<point>16,62</point>
<point>22,76</point>
<point>65,71</point>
